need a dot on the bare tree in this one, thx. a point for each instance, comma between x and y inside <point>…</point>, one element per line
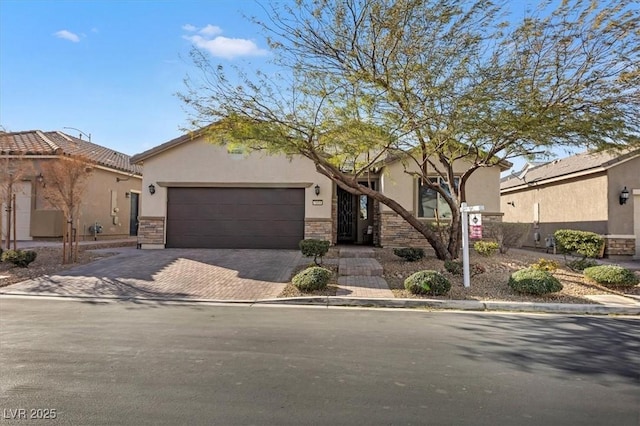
<point>65,185</point>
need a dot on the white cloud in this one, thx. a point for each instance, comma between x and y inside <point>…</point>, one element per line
<point>219,46</point>
<point>67,35</point>
<point>211,30</point>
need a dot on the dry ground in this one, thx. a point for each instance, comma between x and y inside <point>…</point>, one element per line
<point>492,285</point>
<point>49,262</point>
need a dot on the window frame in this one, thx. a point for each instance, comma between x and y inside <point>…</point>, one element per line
<point>438,201</point>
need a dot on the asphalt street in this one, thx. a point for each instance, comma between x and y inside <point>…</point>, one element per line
<point>155,363</point>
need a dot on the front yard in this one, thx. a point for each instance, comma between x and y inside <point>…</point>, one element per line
<point>489,285</point>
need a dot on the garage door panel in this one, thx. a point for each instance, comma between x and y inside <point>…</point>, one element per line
<point>235,217</point>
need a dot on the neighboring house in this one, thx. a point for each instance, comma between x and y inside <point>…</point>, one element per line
<point>112,195</point>
<point>580,192</point>
<point>197,194</point>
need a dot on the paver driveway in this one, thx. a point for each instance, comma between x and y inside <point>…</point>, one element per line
<point>173,273</point>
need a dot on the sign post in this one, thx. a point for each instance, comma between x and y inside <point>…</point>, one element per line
<point>464,211</point>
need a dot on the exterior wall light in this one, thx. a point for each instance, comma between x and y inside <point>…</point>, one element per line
<point>152,189</point>
<point>317,188</point>
<point>624,196</point>
<point>40,179</point>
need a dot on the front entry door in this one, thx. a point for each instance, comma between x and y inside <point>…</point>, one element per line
<point>347,216</point>
<point>133,217</point>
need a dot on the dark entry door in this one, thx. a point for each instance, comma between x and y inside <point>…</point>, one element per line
<point>235,218</point>
<point>135,211</point>
<point>347,216</point>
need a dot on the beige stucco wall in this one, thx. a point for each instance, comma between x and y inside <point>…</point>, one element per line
<point>483,187</point>
<point>621,220</point>
<point>200,163</point>
<point>566,201</point>
<point>102,195</point>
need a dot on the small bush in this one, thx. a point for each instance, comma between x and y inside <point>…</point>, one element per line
<point>611,276</point>
<point>427,282</point>
<point>485,248</point>
<point>409,254</point>
<point>315,248</point>
<point>546,265</point>
<point>313,278</point>
<point>587,244</point>
<point>455,267</point>
<point>534,281</point>
<point>580,265</point>
<point>21,258</point>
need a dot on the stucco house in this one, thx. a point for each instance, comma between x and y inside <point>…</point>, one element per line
<point>591,191</point>
<point>112,196</point>
<point>198,194</point>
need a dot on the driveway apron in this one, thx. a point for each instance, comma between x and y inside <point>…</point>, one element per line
<point>173,273</point>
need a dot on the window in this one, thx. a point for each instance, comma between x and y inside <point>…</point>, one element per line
<point>430,202</point>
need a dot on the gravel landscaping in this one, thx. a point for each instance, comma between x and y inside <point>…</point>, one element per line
<point>492,284</point>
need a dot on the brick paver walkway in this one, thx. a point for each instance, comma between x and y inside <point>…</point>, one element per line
<point>173,273</point>
<point>360,274</point>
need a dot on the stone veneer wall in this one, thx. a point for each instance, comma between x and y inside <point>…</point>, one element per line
<point>151,230</point>
<point>616,246</point>
<point>321,229</point>
<point>396,232</point>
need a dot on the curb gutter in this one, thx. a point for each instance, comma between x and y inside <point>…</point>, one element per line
<point>336,301</point>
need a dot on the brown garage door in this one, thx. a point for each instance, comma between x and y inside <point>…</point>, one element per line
<point>235,217</point>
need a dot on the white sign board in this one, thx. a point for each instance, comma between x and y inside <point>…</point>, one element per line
<point>475,219</point>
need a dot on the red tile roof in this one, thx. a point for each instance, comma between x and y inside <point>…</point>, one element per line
<point>36,142</point>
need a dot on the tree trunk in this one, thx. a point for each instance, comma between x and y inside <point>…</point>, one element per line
<point>350,184</point>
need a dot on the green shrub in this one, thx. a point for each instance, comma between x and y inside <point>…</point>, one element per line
<point>611,276</point>
<point>485,248</point>
<point>427,282</point>
<point>507,234</point>
<point>455,267</point>
<point>409,254</point>
<point>581,264</point>
<point>312,278</point>
<point>21,258</point>
<point>546,265</point>
<point>534,281</point>
<point>587,244</point>
<point>315,248</point>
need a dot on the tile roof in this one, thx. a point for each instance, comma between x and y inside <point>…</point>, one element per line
<point>584,162</point>
<point>36,142</point>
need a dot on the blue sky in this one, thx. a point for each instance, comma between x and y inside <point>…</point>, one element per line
<point>112,68</point>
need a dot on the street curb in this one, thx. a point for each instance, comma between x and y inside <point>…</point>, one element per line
<point>459,305</point>
<point>337,301</point>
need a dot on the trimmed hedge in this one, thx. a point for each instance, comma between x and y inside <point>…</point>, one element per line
<point>587,244</point>
<point>427,282</point>
<point>315,248</point>
<point>534,281</point>
<point>409,254</point>
<point>612,276</point>
<point>312,278</point>
<point>20,258</point>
